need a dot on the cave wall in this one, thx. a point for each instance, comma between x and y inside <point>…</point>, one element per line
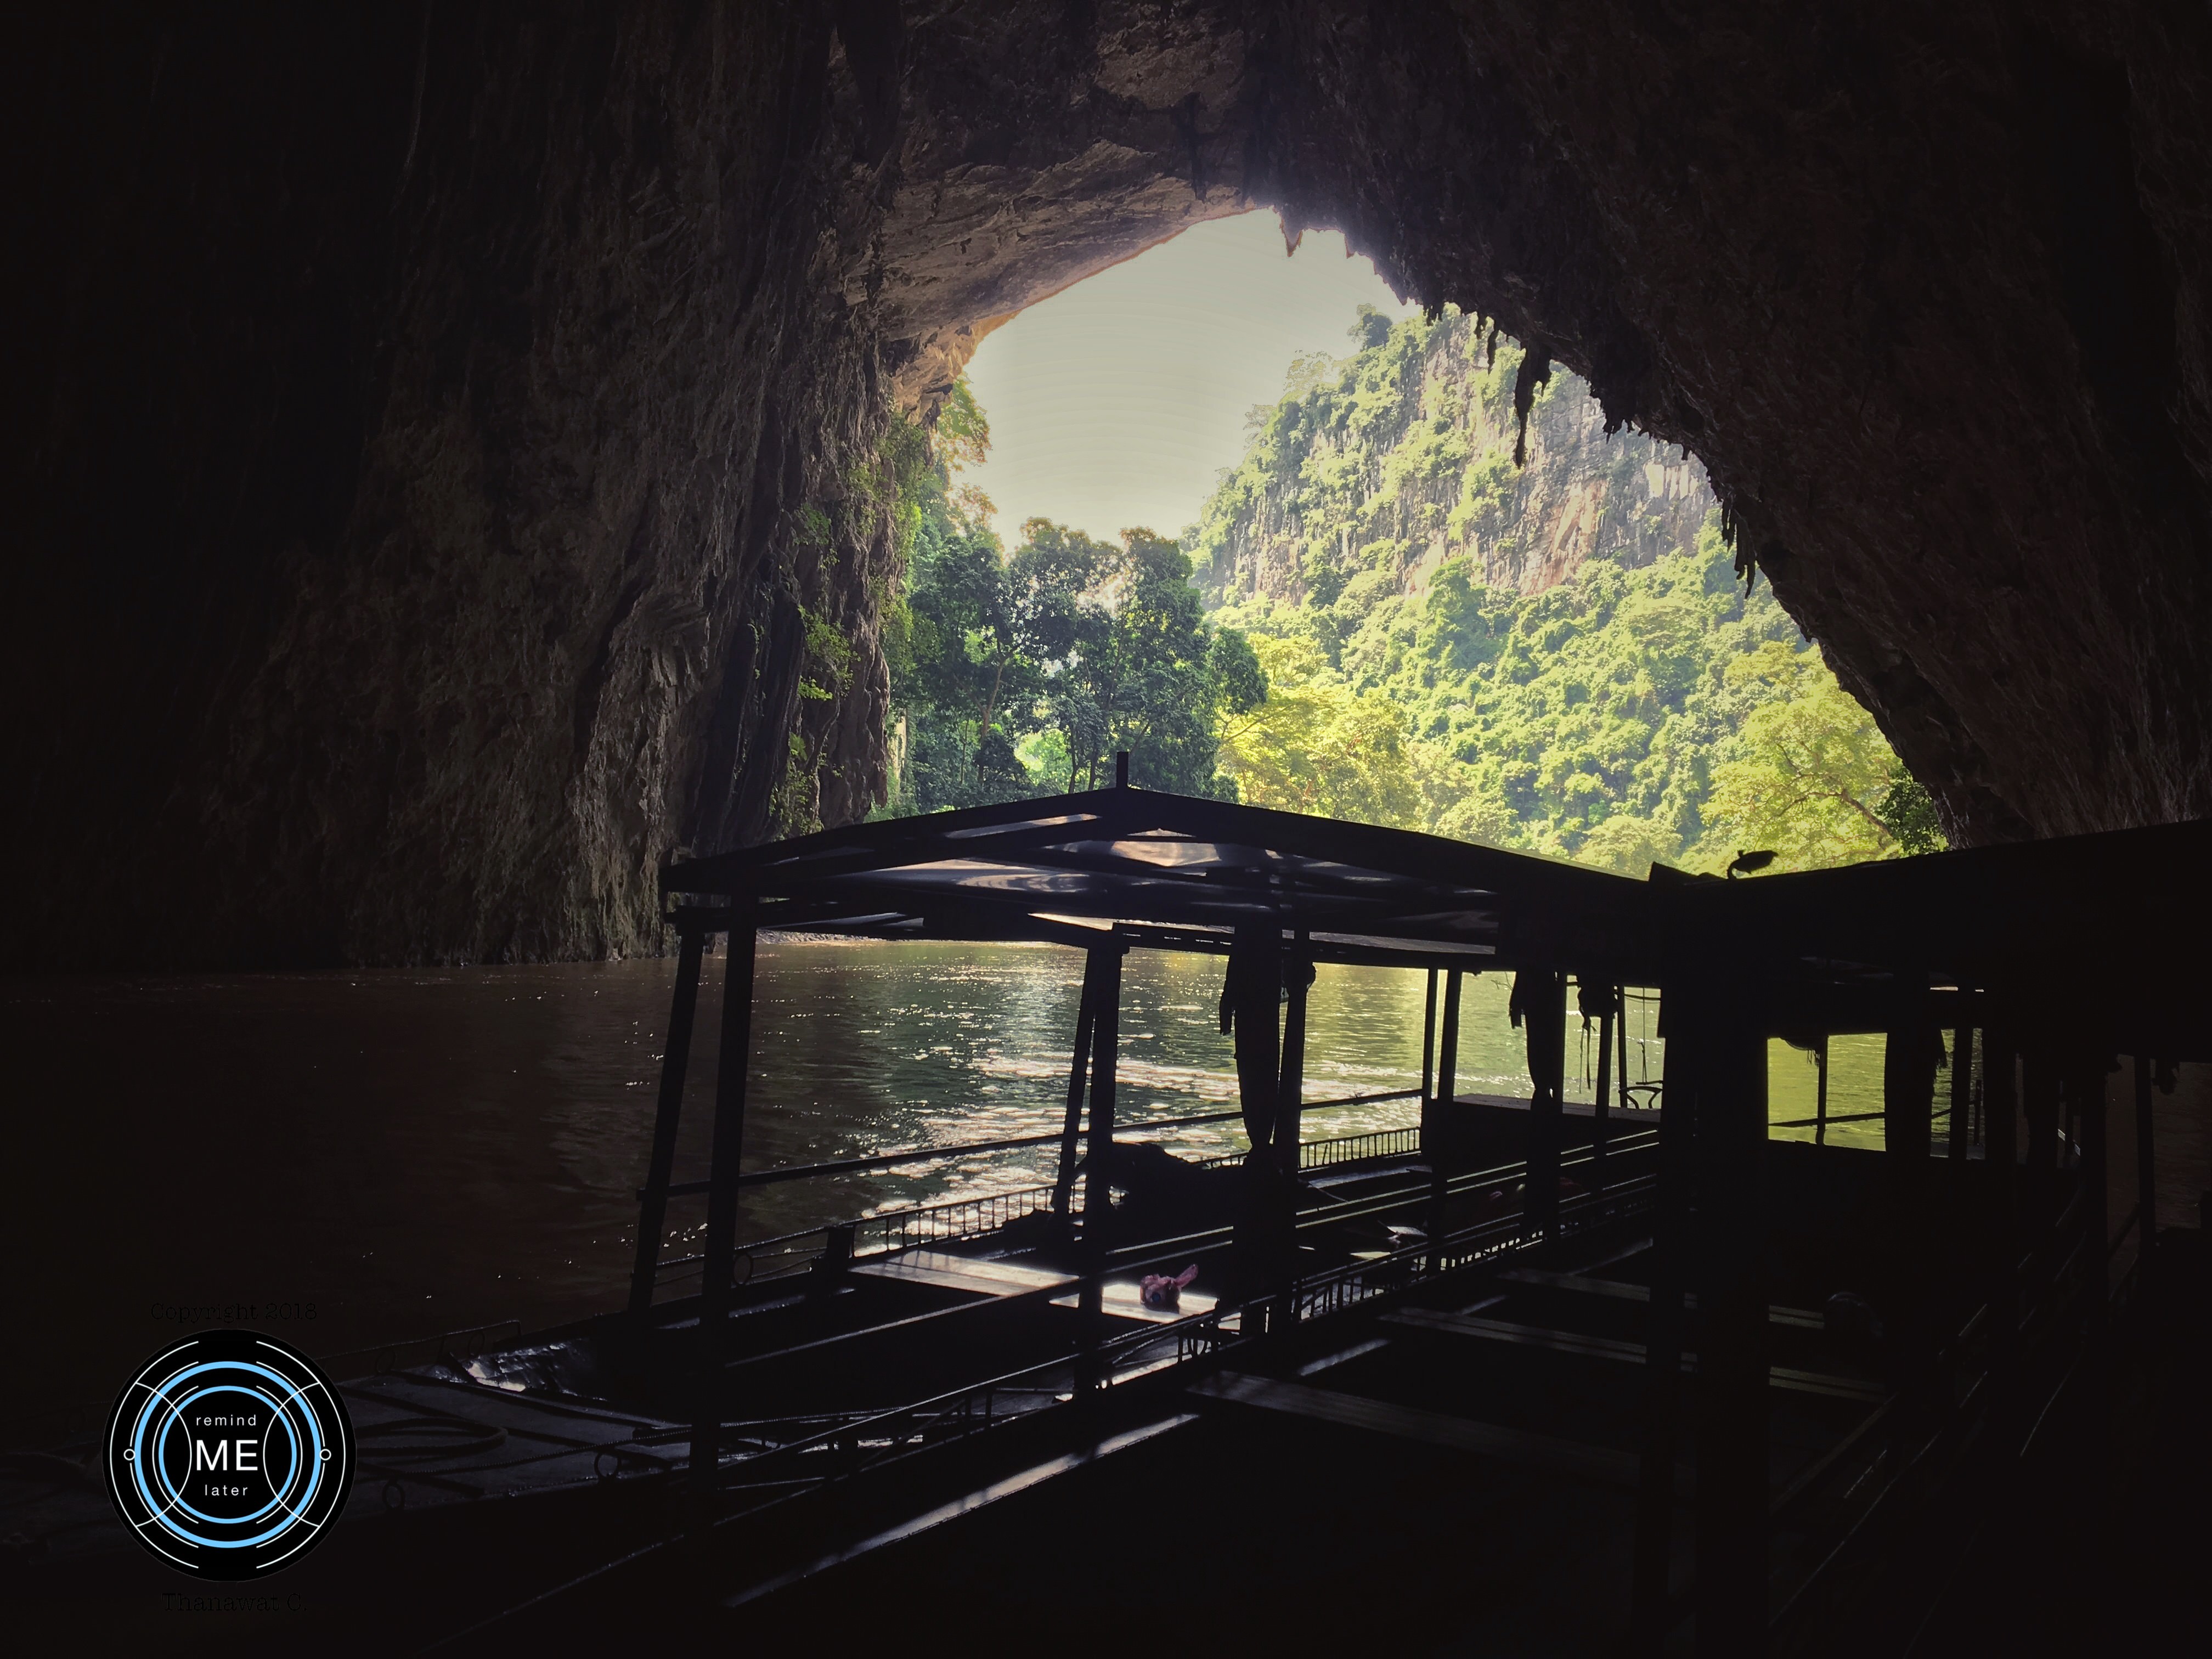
<point>413,447</point>
<point>1924,286</point>
<point>451,447</point>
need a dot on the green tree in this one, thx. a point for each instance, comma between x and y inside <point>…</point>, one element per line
<point>1808,774</point>
<point>1133,665</point>
<point>953,636</point>
<point>1316,745</point>
<point>1910,811</point>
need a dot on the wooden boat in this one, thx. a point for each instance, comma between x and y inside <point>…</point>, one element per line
<point>1553,1369</point>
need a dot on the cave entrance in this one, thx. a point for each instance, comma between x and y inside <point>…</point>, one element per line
<point>1086,443</point>
<point>1432,589</point>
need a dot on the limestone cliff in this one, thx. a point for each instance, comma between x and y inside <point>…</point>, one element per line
<point>1403,455</point>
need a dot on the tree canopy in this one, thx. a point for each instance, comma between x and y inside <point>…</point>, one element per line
<point>1645,710</point>
<point>1024,672</point>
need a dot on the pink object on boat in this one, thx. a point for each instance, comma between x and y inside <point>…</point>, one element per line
<point>1159,1290</point>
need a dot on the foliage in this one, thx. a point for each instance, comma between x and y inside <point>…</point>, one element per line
<point>1022,674</point>
<point>1649,708</point>
<point>963,432</point>
<point>1808,773</point>
<point>1316,745</point>
<point>1400,456</point>
<point>1624,717</point>
<point>1909,811</point>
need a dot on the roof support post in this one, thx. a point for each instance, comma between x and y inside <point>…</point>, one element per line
<point>1909,1056</point>
<point>1290,1094</point>
<point>675,1057</point>
<point>732,1063</point>
<point>1608,1009</point>
<point>1541,996</point>
<point>1730,1094</point>
<point>2085,1083</point>
<point>1432,1148</point>
<point>2001,1175</point>
<point>1063,1187</point>
<point>1662,1378</point>
<point>1251,1007</point>
<point>1429,1066</point>
<point>2145,1164</point>
<point>1962,1094</point>
<point>1251,1003</point>
<point>2039,1180</point>
<point>1913,1050</point>
<point>1297,974</point>
<point>1098,1186</point>
<point>1620,1014</point>
<point>1820,1092</point>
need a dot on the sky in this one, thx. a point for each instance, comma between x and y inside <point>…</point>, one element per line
<point>1118,401</point>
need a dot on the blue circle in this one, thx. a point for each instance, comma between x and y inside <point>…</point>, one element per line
<point>177,1499</point>
<point>158,1512</point>
<point>218,1375</point>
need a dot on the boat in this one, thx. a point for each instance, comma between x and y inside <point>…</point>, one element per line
<point>1574,1372</point>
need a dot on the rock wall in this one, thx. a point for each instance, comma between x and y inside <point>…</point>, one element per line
<point>452,447</point>
<point>448,463</point>
<point>1924,286</point>
<point>1405,454</point>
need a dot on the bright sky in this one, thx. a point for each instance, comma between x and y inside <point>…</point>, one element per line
<point>1118,401</point>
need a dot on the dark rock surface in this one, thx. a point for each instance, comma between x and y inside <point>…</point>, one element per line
<point>448,446</point>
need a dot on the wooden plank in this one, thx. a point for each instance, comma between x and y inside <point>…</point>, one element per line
<point>1632,1353</point>
<point>1599,1465</point>
<point>1621,1119</point>
<point>967,1504</point>
<point>961,1272</point>
<point>1802,1318</point>
<point>1124,1299</point>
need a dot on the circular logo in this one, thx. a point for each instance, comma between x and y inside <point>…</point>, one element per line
<point>229,1454</point>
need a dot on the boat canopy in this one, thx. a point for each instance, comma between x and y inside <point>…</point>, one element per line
<point>1177,872</point>
<point>2112,924</point>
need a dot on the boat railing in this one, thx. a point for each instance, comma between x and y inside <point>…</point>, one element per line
<point>952,1221</point>
<point>1347,1149</point>
<point>851,1444</point>
<point>963,1220</point>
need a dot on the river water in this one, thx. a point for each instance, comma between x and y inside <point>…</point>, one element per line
<point>404,1152</point>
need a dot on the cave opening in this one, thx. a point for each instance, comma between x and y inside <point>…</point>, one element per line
<point>456,439</point>
<point>1414,607</point>
<point>461,457</point>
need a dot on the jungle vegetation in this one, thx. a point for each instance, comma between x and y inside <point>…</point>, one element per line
<point>1645,708</point>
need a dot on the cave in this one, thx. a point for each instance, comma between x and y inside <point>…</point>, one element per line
<point>446,441</point>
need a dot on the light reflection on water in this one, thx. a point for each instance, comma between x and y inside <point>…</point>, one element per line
<point>421,1151</point>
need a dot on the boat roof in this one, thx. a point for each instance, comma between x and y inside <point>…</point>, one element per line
<point>1181,873</point>
<point>2118,919</point>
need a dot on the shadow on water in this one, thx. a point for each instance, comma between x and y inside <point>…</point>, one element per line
<point>409,1151</point>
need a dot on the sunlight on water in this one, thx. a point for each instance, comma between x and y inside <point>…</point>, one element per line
<point>431,1149</point>
<point>853,1057</point>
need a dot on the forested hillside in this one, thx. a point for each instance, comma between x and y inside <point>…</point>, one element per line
<point>1374,470</point>
<point>1404,628</point>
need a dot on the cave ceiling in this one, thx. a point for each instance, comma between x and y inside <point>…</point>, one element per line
<point>443,455</point>
<point>1922,287</point>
